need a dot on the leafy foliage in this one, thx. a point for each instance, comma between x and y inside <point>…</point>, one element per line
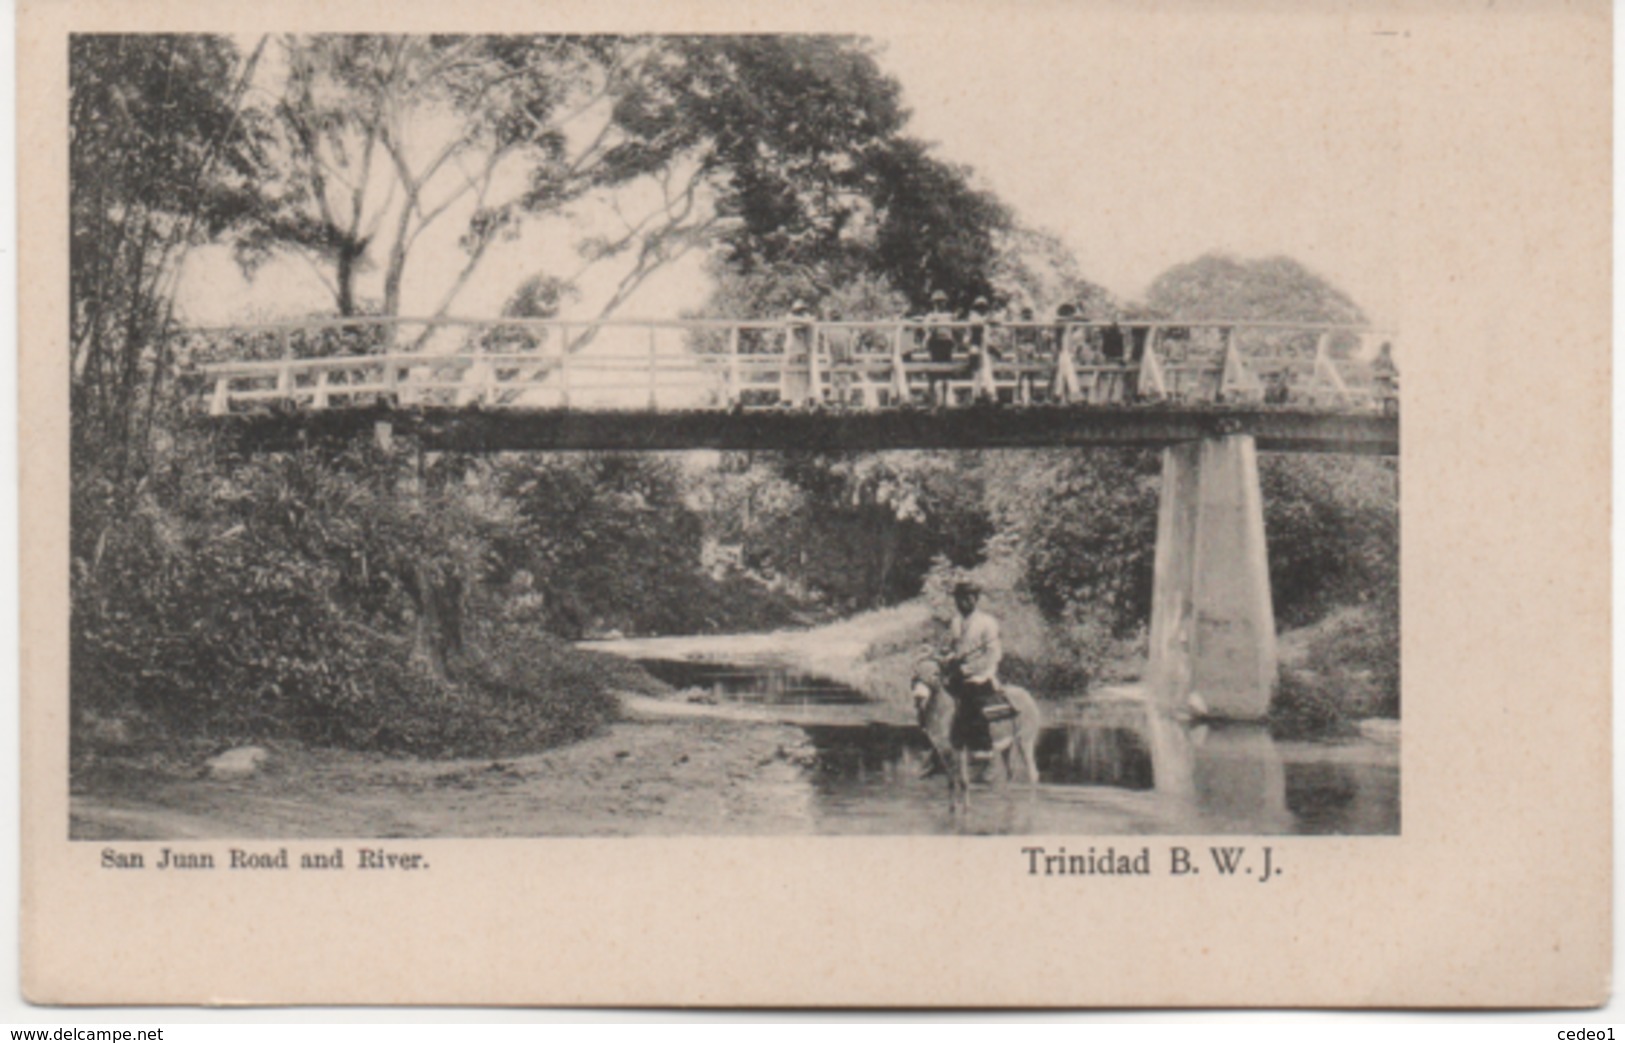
<point>858,530</point>
<point>162,156</point>
<point>274,599</point>
<point>1088,522</point>
<point>1333,530</point>
<point>763,147</point>
<point>1034,269</point>
<point>1218,286</point>
<point>606,540</point>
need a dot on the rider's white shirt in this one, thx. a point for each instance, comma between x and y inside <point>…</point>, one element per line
<point>976,637</point>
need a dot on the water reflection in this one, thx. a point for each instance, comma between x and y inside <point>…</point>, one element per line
<point>1112,764</point>
<point>1115,766</point>
<point>1229,776</point>
<point>752,683</point>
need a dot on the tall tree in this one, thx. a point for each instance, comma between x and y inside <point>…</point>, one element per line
<point>385,137</point>
<point>749,144</point>
<point>1033,268</point>
<point>934,229</point>
<point>1219,286</point>
<point>162,155</point>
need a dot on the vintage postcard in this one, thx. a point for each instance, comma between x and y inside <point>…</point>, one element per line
<point>896,503</point>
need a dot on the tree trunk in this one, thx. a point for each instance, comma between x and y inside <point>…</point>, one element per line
<point>439,638</point>
<point>888,558</point>
<point>439,596</point>
<point>344,275</point>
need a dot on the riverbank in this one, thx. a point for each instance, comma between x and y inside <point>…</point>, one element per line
<point>679,763</point>
<point>669,776</point>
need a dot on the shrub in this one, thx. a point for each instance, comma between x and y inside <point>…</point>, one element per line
<point>277,597</point>
<point>516,691</point>
<point>1306,705</point>
<point>1333,529</point>
<point>1350,672</point>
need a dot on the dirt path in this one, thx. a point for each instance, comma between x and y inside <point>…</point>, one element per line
<point>693,774</point>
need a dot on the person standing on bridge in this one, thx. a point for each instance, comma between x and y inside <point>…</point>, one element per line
<point>940,341</point>
<point>1065,316</point>
<point>795,373</point>
<point>982,353</point>
<point>971,668</point>
<point>1026,343</point>
<point>838,343</point>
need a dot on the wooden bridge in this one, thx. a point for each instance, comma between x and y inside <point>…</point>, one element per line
<point>525,384</point>
<point>1210,394</point>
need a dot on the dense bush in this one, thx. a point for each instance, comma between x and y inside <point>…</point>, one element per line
<point>282,597</point>
<point>854,530</point>
<point>609,542</point>
<point>517,690</point>
<point>1350,672</point>
<point>1087,526</point>
<point>1333,528</point>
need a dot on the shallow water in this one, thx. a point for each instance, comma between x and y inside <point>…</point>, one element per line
<point>1106,766</point>
<point>752,684</point>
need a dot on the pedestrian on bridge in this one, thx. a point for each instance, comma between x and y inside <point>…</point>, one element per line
<point>982,353</point>
<point>1065,315</point>
<point>1026,342</point>
<point>941,342</point>
<point>795,374</point>
<point>838,343</point>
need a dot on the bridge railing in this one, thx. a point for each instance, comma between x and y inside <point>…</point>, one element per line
<point>320,364</point>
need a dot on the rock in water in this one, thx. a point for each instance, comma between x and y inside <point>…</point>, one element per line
<point>237,763</point>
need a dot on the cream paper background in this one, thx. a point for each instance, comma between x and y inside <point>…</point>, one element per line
<point>1497,892</point>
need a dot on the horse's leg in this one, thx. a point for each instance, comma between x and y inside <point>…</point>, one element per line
<point>962,778</point>
<point>1027,741</point>
<point>949,760</point>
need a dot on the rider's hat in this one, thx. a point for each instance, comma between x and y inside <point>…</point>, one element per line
<point>799,305</point>
<point>966,586</point>
<point>939,295</point>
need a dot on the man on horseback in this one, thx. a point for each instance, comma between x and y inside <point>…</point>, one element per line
<point>972,671</point>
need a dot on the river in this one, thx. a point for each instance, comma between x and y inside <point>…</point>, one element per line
<point>762,745</point>
<point>1109,764</point>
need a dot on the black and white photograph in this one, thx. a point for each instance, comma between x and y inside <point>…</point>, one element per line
<point>778,506</point>
<point>609,435</point>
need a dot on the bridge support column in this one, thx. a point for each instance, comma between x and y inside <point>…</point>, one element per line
<point>1212,623</point>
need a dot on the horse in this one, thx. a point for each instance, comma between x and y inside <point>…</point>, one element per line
<point>1017,735</point>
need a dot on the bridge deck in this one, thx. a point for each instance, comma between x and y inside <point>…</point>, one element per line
<point>984,427</point>
<point>492,385</point>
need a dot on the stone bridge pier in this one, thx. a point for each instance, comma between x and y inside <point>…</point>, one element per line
<point>1212,622</point>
